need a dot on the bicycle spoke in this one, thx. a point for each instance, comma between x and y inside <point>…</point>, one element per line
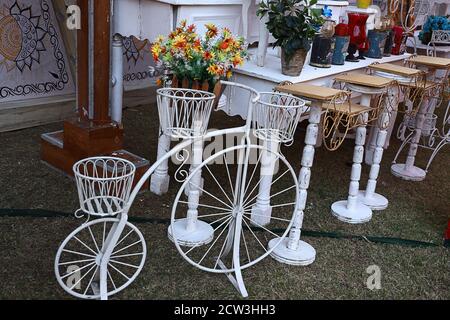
<point>112,281</point>
<point>79,280</point>
<point>85,245</point>
<point>90,281</point>
<point>129,246</point>
<point>254,235</point>
<point>260,226</point>
<point>209,194</point>
<point>77,270</point>
<point>80,253</point>
<point>229,176</point>
<point>74,262</point>
<point>120,272</point>
<point>128,255</point>
<point>93,239</point>
<point>206,206</point>
<point>218,184</point>
<point>215,241</point>
<point>124,264</point>
<point>245,244</point>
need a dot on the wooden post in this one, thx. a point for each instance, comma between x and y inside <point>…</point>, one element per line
<point>83,62</point>
<point>92,133</point>
<point>102,59</point>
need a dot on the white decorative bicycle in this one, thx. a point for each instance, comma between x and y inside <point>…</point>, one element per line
<point>233,209</point>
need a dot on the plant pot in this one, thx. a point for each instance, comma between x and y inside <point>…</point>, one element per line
<point>217,88</point>
<point>293,65</point>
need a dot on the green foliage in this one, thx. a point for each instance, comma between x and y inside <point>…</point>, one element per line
<point>291,22</point>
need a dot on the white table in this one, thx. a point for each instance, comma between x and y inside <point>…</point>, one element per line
<point>266,78</point>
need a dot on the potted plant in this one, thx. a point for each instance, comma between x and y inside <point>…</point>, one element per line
<point>293,23</point>
<point>198,62</point>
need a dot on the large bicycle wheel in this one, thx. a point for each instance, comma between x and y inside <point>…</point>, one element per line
<point>77,263</point>
<point>232,183</point>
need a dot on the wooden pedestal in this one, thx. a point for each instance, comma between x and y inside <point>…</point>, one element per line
<point>83,139</point>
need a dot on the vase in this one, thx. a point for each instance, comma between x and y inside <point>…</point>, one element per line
<point>399,46</point>
<point>357,31</point>
<point>340,49</point>
<point>377,41</point>
<point>215,87</point>
<point>322,51</point>
<point>293,65</point>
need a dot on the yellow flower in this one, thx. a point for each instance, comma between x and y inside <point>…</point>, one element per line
<point>179,41</point>
<point>160,39</point>
<point>229,74</point>
<point>208,55</point>
<point>237,60</point>
<point>215,70</point>
<point>156,51</point>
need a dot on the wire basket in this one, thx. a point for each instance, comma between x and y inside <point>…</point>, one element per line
<point>104,184</point>
<point>276,116</point>
<point>184,113</point>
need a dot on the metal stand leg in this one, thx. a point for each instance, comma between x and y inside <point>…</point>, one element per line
<point>293,251</point>
<point>351,210</point>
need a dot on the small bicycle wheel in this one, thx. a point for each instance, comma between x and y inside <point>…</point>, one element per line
<point>77,263</point>
<point>230,203</point>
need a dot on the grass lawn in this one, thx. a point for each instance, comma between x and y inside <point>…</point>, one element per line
<point>417,211</point>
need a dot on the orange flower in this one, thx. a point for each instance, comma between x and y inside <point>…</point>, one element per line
<point>237,60</point>
<point>191,28</point>
<point>208,55</point>
<point>179,42</point>
<point>212,30</point>
<point>215,70</point>
<point>159,82</point>
<point>229,74</point>
<point>225,44</point>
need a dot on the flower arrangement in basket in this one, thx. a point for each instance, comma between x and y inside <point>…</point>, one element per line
<point>198,62</point>
<point>433,23</point>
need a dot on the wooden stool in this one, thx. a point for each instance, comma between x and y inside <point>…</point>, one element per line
<point>370,86</point>
<point>430,90</point>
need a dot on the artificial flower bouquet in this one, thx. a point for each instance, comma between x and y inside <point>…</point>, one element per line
<point>433,23</point>
<point>198,62</point>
